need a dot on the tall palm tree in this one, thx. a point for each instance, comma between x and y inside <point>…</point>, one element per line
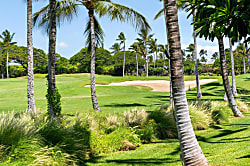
<point>190,49</point>
<point>215,56</point>
<point>247,53</point>
<point>116,48</point>
<point>66,9</point>
<point>242,51</point>
<point>203,54</point>
<point>213,18</point>
<point>122,39</point>
<point>7,38</point>
<point>30,86</point>
<point>191,153</point>
<point>232,68</point>
<point>165,50</point>
<point>145,37</point>
<point>153,47</point>
<point>135,48</point>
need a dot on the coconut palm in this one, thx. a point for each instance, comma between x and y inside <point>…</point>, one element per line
<point>7,38</point>
<point>241,49</point>
<point>116,48</point>
<point>66,9</point>
<point>203,54</point>
<point>190,49</point>
<point>153,47</point>
<point>215,56</point>
<point>122,39</point>
<point>30,86</point>
<point>247,53</point>
<point>145,38</point>
<point>216,19</point>
<point>191,153</point>
<point>232,68</point>
<point>135,48</point>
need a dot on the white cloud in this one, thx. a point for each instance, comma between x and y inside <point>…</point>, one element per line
<point>63,45</point>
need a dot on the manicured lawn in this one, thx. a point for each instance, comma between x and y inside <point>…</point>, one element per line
<point>226,144</point>
<point>76,97</point>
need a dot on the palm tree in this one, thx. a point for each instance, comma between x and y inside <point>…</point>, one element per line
<point>203,54</point>
<point>232,68</point>
<point>145,37</point>
<point>213,19</point>
<point>189,5</point>
<point>116,48</point>
<point>135,48</point>
<point>122,40</point>
<point>165,50</point>
<point>190,49</point>
<point>30,86</point>
<point>7,38</point>
<point>191,153</point>
<point>153,47</point>
<point>66,9</point>
<point>242,51</point>
<point>247,53</point>
<point>215,56</point>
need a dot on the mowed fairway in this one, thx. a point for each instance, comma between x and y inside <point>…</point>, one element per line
<point>76,97</point>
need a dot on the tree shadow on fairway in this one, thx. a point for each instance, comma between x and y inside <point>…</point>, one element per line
<point>246,156</point>
<point>225,133</point>
<point>148,161</point>
<point>125,105</point>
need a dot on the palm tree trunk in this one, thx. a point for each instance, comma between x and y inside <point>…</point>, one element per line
<point>51,56</point>
<point>2,72</point>
<point>244,64</point>
<point>123,70</point>
<point>191,153</point>
<point>146,52</point>
<point>136,64</point>
<point>7,62</point>
<point>199,94</point>
<point>92,70</point>
<point>169,63</point>
<point>247,53</point>
<point>156,59</point>
<point>227,88</point>
<point>232,67</point>
<point>171,85</point>
<point>30,87</point>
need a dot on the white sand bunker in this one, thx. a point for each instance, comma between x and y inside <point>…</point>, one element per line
<point>158,85</point>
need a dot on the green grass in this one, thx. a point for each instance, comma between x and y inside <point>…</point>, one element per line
<point>76,97</point>
<point>226,144</point>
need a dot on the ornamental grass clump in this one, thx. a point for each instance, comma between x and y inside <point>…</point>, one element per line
<point>135,117</point>
<point>243,107</point>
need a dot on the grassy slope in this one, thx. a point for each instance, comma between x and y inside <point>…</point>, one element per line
<point>227,144</point>
<point>76,97</point>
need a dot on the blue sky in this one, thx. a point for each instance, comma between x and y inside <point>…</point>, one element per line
<point>70,37</point>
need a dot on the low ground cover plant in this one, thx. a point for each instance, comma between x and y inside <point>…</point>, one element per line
<point>67,140</point>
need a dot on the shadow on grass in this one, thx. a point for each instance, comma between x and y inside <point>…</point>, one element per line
<point>247,156</point>
<point>125,105</point>
<point>151,161</point>
<point>225,133</point>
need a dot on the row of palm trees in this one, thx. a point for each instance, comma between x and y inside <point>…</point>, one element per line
<point>208,22</point>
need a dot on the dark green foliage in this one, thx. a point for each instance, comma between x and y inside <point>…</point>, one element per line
<point>147,131</point>
<point>165,124</point>
<point>54,101</point>
<point>16,71</point>
<point>221,114</point>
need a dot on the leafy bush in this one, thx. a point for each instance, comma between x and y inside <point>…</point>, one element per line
<point>16,71</point>
<point>119,139</point>
<point>147,132</point>
<point>165,123</point>
<point>135,117</point>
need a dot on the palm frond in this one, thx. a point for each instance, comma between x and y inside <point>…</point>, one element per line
<point>121,13</point>
<point>159,14</point>
<point>99,34</point>
<point>65,11</point>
